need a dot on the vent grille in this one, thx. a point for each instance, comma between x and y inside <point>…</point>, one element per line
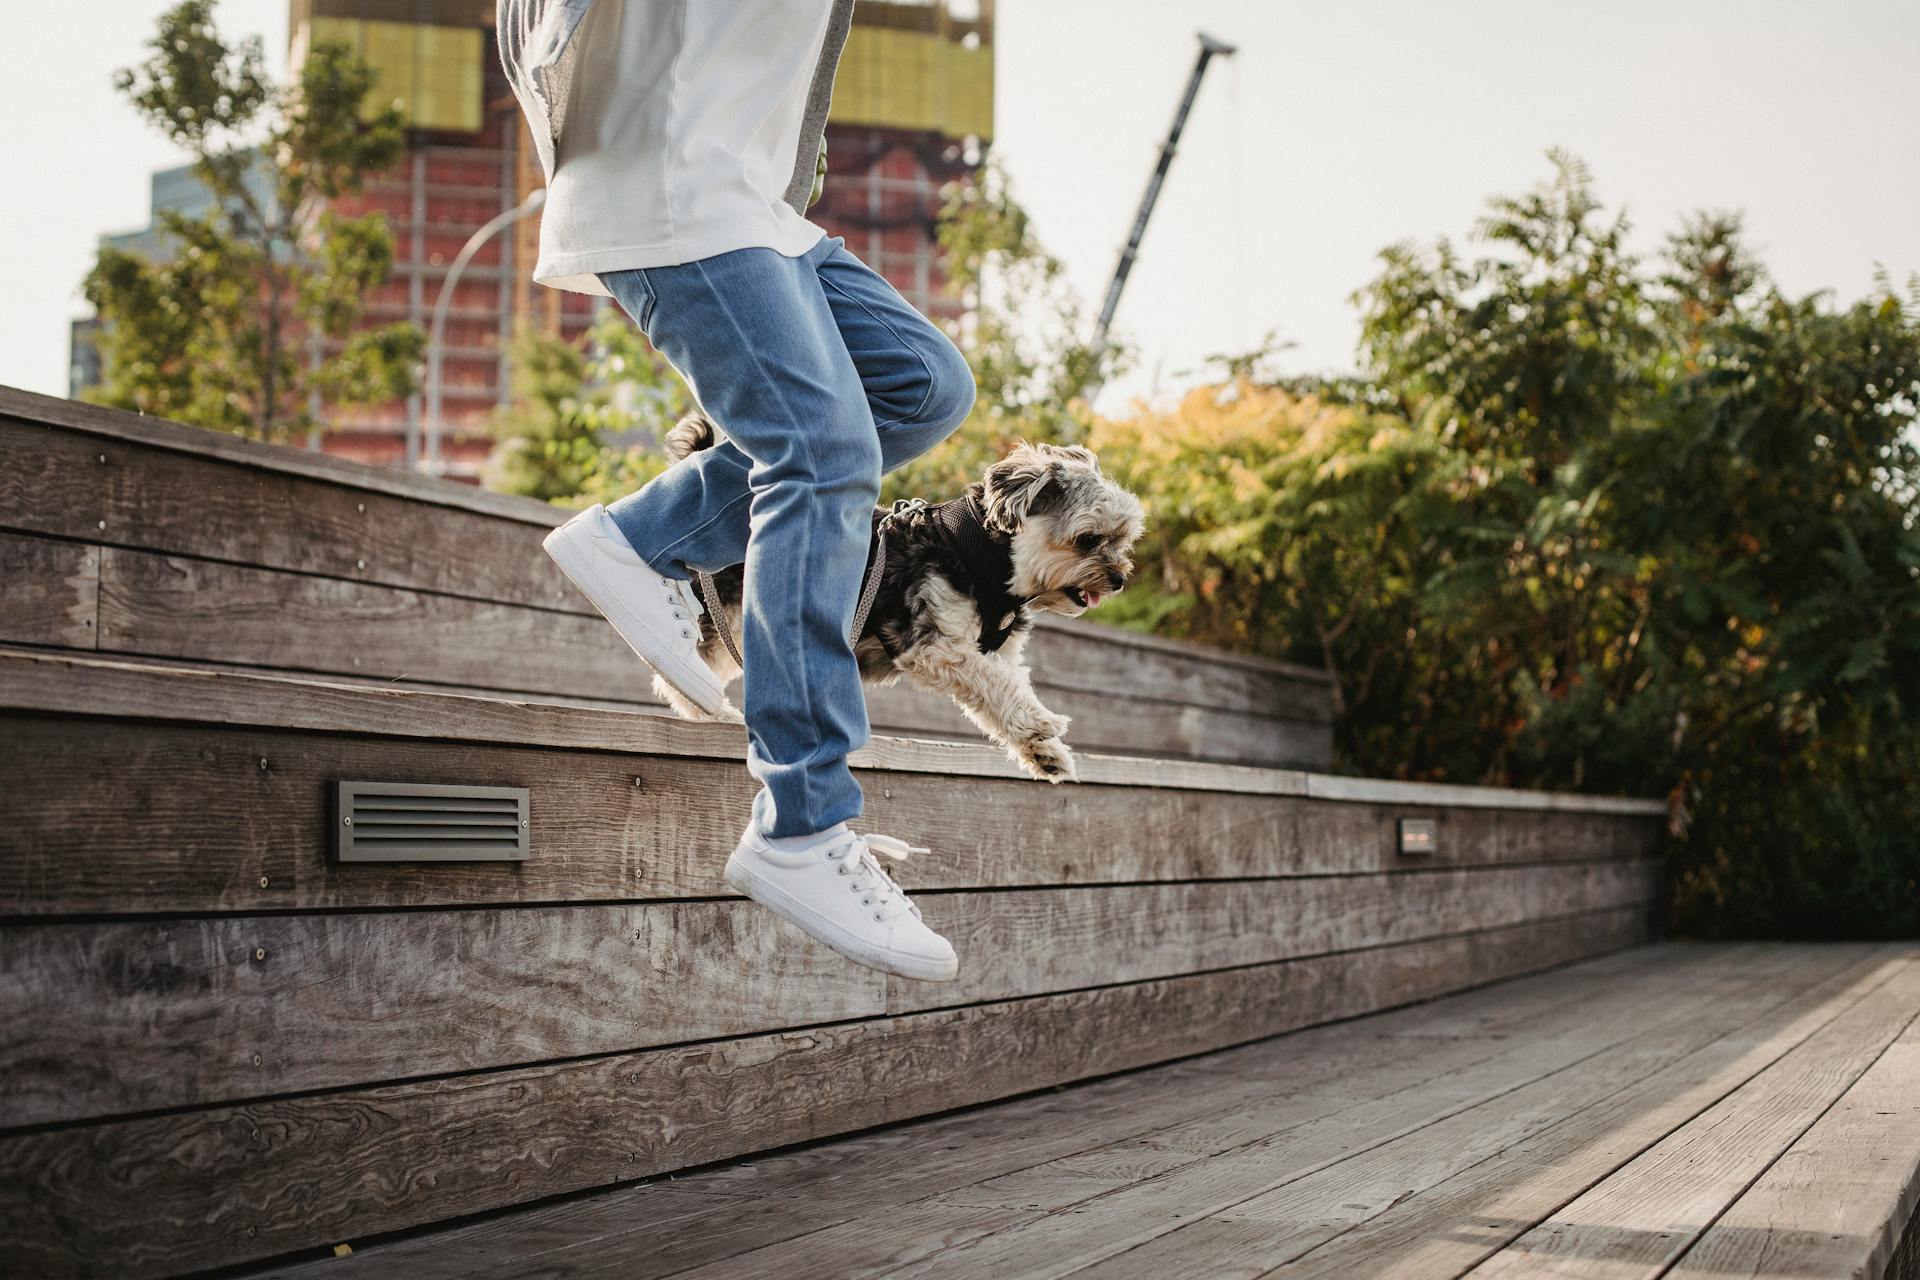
<point>418,822</point>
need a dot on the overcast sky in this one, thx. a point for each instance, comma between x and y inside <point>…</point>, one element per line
<point>1341,127</point>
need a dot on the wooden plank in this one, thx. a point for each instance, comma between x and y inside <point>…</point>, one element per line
<point>1459,1223</point>
<point>185,607</point>
<point>1836,1203</point>
<point>32,681</point>
<point>151,498</point>
<point>56,415</point>
<point>610,825</point>
<point>113,1018</point>
<point>56,438</point>
<point>1647,1214</point>
<point>215,1186</point>
<point>1398,1210</point>
<point>49,591</point>
<point>1083,655</point>
<point>187,502</point>
<point>871,1172</point>
<point>1131,1208</point>
<point>1293,1101</point>
<point>1014,944</point>
<point>179,606</point>
<point>1114,720</point>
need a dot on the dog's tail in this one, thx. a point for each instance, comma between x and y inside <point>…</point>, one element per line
<point>690,435</point>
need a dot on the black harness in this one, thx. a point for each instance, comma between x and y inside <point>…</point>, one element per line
<point>984,557</point>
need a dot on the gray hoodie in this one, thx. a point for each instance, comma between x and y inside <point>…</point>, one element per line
<point>536,50</point>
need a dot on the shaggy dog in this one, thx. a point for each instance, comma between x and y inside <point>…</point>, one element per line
<point>1041,530</point>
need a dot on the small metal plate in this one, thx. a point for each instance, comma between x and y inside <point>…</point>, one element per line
<point>1419,837</point>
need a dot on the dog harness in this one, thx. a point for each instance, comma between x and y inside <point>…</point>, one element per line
<point>962,526</point>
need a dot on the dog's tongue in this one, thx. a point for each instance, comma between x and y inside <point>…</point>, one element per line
<point>1093,598</point>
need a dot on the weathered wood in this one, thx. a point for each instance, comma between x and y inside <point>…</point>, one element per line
<point>104,1019</point>
<point>1014,944</point>
<point>1114,719</point>
<point>185,607</point>
<point>215,1186</point>
<point>55,415</point>
<point>1130,1211</point>
<point>1270,1134</point>
<point>609,826</point>
<point>185,493</point>
<point>67,684</point>
<point>1323,1067</point>
<point>147,465</point>
<point>1508,1194</point>
<point>112,1018</point>
<point>1381,1087</point>
<point>1642,1218</point>
<point>180,606</point>
<point>49,591</point>
<point>1836,1202</point>
<point>1315,1214</point>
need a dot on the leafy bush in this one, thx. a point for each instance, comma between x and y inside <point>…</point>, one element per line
<point>1585,522</point>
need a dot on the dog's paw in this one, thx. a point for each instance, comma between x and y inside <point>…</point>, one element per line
<point>1048,760</point>
<point>1054,725</point>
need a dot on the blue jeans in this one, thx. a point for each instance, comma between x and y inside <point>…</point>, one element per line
<point>821,377</point>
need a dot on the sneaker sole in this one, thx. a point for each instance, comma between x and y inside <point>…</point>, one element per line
<point>578,566</point>
<point>811,923</point>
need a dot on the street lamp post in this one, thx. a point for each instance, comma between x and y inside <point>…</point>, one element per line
<point>437,334</point>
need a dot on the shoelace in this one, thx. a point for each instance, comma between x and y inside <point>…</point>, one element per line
<point>870,879</point>
<point>684,607</point>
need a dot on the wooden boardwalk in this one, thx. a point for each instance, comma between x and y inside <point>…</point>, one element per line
<point>1673,1110</point>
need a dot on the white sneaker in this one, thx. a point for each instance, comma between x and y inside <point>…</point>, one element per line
<point>658,616</point>
<point>839,894</point>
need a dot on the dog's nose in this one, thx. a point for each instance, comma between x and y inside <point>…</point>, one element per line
<point>1117,578</point>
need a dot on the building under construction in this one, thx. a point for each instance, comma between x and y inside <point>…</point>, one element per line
<point>912,111</point>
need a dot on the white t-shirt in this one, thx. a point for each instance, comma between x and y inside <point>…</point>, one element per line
<point>681,126</point>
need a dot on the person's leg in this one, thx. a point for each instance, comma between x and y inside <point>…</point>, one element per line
<point>918,388</point>
<point>754,336</point>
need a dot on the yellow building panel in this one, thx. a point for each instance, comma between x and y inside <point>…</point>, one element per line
<point>904,79</point>
<point>433,72</point>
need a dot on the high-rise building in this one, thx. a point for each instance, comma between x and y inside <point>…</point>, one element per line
<point>912,111</point>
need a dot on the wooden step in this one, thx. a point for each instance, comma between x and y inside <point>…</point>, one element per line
<point>129,536</point>
<point>222,1045</point>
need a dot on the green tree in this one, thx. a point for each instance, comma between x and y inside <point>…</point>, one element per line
<point>218,333</point>
<point>1585,521</point>
<point>587,417</point>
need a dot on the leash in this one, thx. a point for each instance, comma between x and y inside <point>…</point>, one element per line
<point>869,589</point>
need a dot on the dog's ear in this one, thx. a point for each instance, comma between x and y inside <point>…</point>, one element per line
<point>1015,486</point>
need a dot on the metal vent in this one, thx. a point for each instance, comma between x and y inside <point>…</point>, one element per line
<point>420,822</point>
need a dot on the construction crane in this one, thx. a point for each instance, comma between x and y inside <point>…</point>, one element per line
<point>1210,48</point>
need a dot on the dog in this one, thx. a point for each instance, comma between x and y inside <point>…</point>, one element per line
<point>1043,530</point>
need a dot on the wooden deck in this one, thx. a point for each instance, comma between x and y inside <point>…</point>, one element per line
<point>1673,1110</point>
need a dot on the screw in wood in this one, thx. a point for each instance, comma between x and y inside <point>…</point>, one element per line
<point>257,1059</point>
<point>259,953</point>
<point>103,524</point>
<point>359,564</point>
<point>347,821</point>
<point>264,882</point>
<point>361,507</point>
<point>263,764</point>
